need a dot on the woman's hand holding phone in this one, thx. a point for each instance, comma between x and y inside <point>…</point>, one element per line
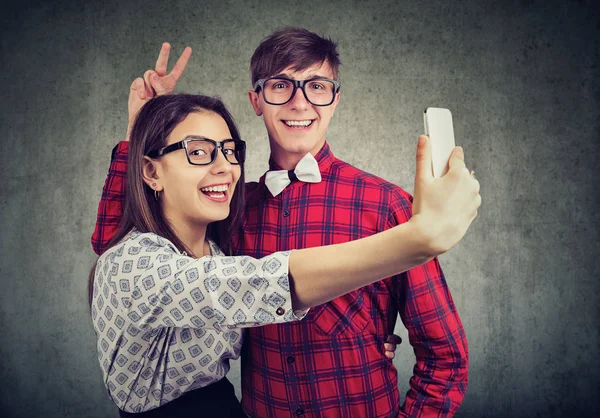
<point>444,207</point>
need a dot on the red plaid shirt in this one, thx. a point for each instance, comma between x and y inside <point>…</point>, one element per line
<point>111,204</point>
<point>331,364</point>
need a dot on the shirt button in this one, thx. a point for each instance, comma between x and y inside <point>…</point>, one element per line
<point>280,311</point>
<point>290,359</point>
<point>286,213</point>
<point>299,411</point>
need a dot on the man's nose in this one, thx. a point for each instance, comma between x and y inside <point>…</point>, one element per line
<point>299,100</point>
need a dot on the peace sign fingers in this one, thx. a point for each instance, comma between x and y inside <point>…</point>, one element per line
<point>159,80</point>
<point>163,60</point>
<point>180,65</point>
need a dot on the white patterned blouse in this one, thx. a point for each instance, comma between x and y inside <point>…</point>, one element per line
<point>168,323</point>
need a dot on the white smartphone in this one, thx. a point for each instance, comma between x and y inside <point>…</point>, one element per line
<point>438,126</point>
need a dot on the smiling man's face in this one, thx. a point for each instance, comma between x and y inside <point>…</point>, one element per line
<point>297,127</point>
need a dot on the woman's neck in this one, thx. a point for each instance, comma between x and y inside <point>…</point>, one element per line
<point>193,236</point>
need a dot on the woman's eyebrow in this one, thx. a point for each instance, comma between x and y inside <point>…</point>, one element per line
<point>204,137</point>
<point>197,137</point>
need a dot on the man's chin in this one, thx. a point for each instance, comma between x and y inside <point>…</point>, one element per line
<point>299,145</point>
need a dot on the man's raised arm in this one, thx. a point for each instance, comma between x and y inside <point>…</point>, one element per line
<point>154,83</point>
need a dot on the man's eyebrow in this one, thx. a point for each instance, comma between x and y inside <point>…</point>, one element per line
<point>314,77</point>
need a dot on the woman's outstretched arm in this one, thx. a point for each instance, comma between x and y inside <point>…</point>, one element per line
<point>443,210</point>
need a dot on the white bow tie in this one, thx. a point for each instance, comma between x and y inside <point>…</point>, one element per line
<point>307,171</point>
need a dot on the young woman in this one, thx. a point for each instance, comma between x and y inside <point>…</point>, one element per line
<point>168,305</point>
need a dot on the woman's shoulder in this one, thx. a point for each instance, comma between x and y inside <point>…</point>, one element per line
<point>135,243</point>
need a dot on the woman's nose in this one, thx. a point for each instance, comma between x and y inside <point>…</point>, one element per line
<point>221,165</point>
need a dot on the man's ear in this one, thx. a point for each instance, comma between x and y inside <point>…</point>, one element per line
<point>335,102</point>
<point>150,173</point>
<point>254,101</point>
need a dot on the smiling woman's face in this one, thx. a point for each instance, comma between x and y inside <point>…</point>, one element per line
<point>194,194</point>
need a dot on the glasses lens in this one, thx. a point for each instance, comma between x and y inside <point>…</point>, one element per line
<point>233,152</point>
<point>319,92</point>
<point>278,91</point>
<point>200,151</point>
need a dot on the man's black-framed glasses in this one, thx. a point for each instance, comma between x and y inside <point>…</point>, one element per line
<point>280,90</point>
<point>203,151</point>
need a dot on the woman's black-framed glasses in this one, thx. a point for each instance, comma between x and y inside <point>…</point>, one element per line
<point>203,151</point>
<point>280,90</point>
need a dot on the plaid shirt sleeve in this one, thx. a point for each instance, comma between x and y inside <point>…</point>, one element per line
<point>110,208</point>
<point>436,333</point>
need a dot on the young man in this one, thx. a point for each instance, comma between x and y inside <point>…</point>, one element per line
<point>331,364</point>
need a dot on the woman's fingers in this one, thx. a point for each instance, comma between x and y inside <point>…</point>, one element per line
<point>457,158</point>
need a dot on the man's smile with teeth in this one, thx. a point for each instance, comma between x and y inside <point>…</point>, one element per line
<point>303,123</point>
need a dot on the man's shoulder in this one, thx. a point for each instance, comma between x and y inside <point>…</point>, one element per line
<point>251,186</point>
<point>252,195</point>
<point>344,170</point>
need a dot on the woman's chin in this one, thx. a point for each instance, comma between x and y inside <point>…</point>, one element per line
<point>215,215</point>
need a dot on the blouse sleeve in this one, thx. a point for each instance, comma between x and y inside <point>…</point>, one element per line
<point>145,278</point>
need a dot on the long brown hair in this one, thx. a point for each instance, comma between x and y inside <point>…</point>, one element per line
<point>154,123</point>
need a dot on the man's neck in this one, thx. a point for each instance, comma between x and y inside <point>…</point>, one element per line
<point>289,160</point>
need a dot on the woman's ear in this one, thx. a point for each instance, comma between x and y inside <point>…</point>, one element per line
<point>150,173</point>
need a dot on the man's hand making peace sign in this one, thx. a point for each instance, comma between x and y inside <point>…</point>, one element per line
<point>155,83</point>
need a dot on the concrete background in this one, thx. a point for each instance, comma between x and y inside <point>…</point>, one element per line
<point>521,78</point>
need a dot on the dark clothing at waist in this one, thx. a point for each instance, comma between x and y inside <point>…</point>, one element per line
<point>215,400</point>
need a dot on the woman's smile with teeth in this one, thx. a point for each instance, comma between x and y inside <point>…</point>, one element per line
<point>215,191</point>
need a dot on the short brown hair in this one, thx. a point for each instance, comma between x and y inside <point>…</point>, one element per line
<point>295,47</point>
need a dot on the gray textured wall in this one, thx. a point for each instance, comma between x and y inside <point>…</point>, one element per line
<point>520,77</point>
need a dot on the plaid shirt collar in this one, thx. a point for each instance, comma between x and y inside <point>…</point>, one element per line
<point>324,158</point>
